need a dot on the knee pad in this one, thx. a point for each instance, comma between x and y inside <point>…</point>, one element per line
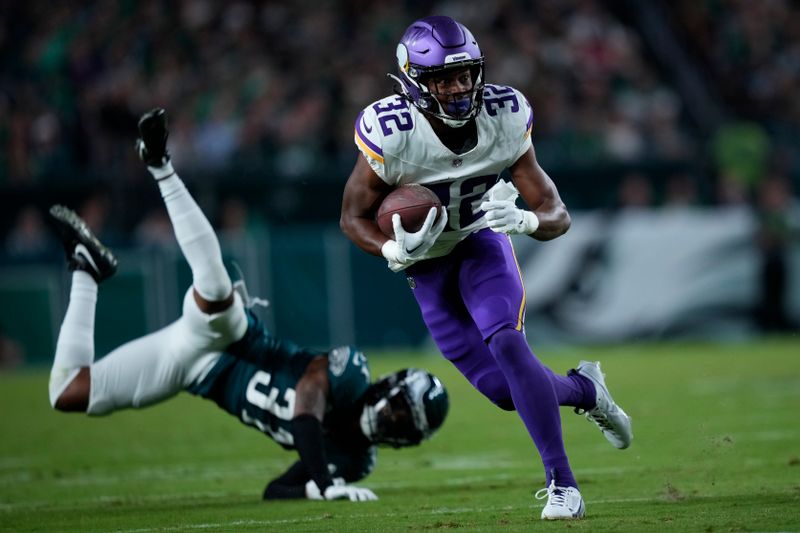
<point>504,334</point>
<point>504,342</point>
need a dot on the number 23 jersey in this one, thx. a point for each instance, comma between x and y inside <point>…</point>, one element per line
<point>401,147</point>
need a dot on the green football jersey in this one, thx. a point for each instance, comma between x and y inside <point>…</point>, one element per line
<point>255,380</point>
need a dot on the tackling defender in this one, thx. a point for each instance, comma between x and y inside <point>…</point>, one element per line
<point>320,404</point>
<point>450,131</point>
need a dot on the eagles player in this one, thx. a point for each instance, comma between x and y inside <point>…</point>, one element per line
<point>448,129</point>
<point>321,404</point>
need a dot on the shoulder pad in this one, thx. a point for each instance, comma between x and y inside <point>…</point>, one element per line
<point>504,100</point>
<point>381,130</point>
<point>348,375</point>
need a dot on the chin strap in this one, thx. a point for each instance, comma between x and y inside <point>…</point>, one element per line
<point>399,88</point>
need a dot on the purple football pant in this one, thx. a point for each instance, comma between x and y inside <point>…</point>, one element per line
<point>473,303</point>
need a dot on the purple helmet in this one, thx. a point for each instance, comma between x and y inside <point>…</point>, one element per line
<point>432,46</point>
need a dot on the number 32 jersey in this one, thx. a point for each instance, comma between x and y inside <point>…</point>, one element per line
<point>401,147</point>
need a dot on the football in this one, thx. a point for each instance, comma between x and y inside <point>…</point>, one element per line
<point>412,202</point>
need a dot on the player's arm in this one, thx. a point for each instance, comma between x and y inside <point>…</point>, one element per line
<point>547,218</point>
<point>311,400</point>
<point>311,395</point>
<point>541,195</point>
<point>363,194</point>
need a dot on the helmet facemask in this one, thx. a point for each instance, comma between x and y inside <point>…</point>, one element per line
<point>404,408</point>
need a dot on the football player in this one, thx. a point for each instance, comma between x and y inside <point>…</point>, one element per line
<point>450,130</point>
<point>321,404</point>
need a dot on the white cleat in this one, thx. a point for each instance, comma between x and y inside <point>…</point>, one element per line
<point>563,503</point>
<point>607,415</point>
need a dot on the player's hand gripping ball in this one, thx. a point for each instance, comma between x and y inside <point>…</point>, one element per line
<point>412,202</point>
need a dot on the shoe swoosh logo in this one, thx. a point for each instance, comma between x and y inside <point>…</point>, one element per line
<point>80,248</point>
<point>366,128</point>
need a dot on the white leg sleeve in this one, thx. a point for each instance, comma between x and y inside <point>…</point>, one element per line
<point>75,345</point>
<point>197,240</point>
<point>158,366</point>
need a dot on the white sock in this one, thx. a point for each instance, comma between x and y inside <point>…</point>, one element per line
<point>75,345</point>
<point>197,240</point>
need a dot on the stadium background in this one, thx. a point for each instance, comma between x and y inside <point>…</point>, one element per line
<point>670,128</point>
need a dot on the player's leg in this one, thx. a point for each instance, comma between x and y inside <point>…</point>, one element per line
<point>461,342</point>
<point>492,289</point>
<point>91,263</point>
<point>493,311</point>
<point>147,370</point>
<point>196,238</point>
<point>139,373</point>
<point>499,310</point>
<point>453,330</point>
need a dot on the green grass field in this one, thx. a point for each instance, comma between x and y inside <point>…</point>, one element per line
<point>716,448</point>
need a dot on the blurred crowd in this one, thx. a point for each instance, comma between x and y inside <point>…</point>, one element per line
<point>267,92</point>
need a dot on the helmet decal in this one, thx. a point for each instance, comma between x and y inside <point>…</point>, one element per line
<point>454,58</point>
<point>402,57</point>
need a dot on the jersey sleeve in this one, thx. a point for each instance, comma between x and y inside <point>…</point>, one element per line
<point>522,130</point>
<point>348,377</point>
<point>369,141</point>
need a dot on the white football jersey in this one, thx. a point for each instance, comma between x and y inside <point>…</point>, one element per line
<point>401,147</point>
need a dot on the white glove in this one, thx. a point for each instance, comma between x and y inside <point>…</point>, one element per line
<point>339,491</point>
<point>503,216</point>
<point>349,492</point>
<point>407,248</point>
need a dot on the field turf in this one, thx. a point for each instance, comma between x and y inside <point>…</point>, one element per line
<point>716,448</point>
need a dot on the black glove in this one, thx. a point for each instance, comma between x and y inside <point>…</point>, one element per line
<point>152,142</point>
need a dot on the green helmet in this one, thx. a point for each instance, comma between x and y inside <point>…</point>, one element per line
<point>404,408</point>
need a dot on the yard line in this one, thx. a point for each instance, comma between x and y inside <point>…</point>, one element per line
<point>13,463</point>
<point>503,476</point>
<point>107,477</point>
<point>417,512</point>
<point>204,472</point>
<point>123,498</point>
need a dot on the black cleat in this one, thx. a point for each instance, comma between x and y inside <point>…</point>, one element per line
<point>84,251</point>
<point>152,143</point>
